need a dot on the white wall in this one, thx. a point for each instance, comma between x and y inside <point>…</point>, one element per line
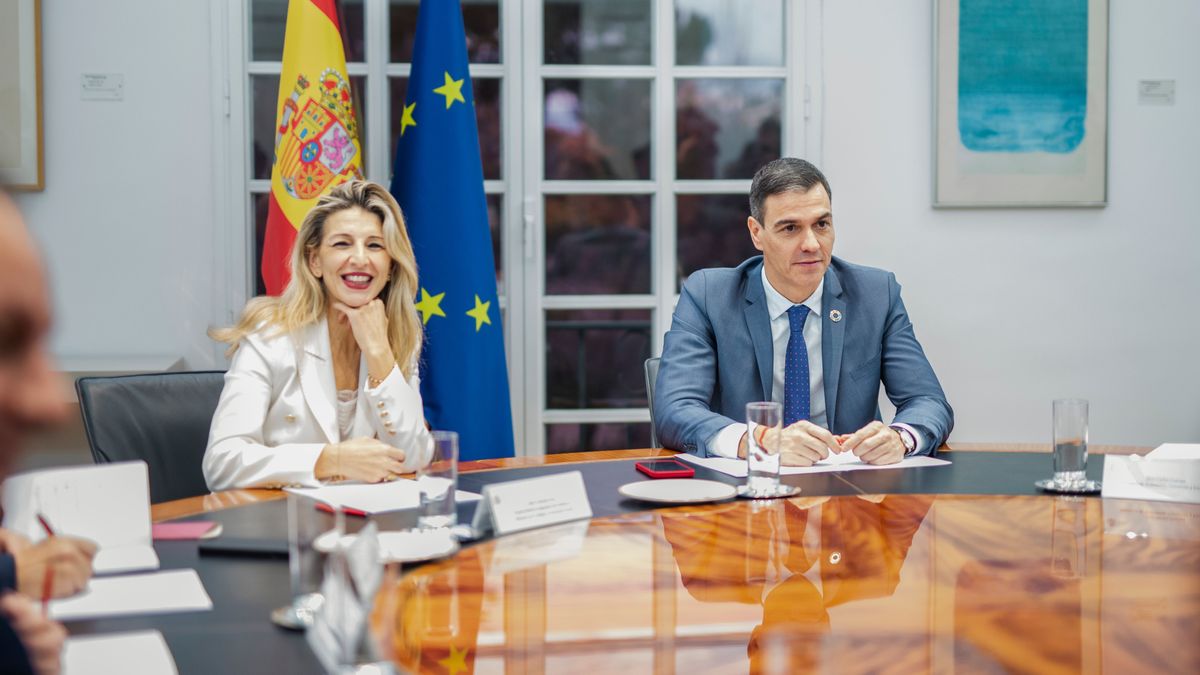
<point>1018,307</point>
<point>1014,307</point>
<point>127,220</point>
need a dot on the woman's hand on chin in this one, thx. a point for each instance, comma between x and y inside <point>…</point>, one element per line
<point>369,325</point>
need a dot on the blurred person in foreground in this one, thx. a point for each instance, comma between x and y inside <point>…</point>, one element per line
<point>323,385</point>
<point>30,400</point>
<point>800,327</point>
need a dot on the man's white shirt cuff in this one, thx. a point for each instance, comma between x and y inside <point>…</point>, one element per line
<point>725,442</point>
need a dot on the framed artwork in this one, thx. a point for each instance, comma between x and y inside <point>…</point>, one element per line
<point>1020,103</point>
<point>21,94</point>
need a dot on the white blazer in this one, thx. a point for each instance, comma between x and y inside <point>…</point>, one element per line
<point>278,411</point>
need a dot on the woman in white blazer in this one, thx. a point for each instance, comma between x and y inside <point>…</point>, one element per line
<point>323,384</point>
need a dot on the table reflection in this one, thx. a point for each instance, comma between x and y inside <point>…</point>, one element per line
<point>868,583</point>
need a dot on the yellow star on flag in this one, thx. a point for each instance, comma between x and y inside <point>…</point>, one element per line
<point>452,90</point>
<point>406,120</point>
<point>456,662</point>
<point>430,305</point>
<point>480,313</point>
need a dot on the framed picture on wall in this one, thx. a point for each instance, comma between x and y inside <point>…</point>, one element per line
<point>1020,103</point>
<point>21,94</point>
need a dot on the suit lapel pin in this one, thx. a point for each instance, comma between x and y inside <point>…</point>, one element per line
<point>835,316</point>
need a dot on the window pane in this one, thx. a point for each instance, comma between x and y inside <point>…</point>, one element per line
<point>726,128</point>
<point>608,32</point>
<point>264,94</point>
<point>261,203</point>
<point>268,20</point>
<point>597,129</point>
<point>594,358</point>
<point>597,244</point>
<point>487,119</point>
<point>711,232</point>
<point>587,437</point>
<point>729,32</point>
<point>481,19</point>
<point>495,207</point>
<point>350,18</point>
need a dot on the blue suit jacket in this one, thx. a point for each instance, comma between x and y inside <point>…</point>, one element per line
<point>718,356</point>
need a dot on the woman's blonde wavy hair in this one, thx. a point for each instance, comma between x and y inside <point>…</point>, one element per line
<point>303,300</point>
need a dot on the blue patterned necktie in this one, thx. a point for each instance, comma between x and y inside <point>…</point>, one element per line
<point>795,373</point>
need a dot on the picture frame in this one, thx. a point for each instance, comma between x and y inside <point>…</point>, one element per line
<point>1020,110</point>
<point>21,152</point>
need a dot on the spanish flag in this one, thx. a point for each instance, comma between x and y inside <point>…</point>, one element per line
<point>316,139</point>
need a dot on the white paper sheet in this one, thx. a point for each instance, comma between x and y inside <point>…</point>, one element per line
<point>835,462</point>
<point>141,652</point>
<point>110,560</point>
<point>155,593</point>
<point>106,503</point>
<point>375,497</point>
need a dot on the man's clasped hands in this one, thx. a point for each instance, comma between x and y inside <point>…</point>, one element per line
<point>803,443</point>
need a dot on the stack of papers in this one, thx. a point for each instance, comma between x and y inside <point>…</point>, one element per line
<point>106,503</point>
<point>845,461</point>
<point>374,497</point>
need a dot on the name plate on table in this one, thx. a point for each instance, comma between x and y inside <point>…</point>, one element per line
<point>1167,480</point>
<point>524,504</point>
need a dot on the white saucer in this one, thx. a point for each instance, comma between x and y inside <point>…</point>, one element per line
<point>1087,487</point>
<point>400,546</point>
<point>677,491</point>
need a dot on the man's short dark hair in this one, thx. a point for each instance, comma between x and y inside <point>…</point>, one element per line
<point>786,174</point>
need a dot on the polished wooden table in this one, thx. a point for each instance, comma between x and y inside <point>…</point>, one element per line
<point>853,582</point>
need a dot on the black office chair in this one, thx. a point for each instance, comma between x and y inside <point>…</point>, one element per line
<point>651,368</point>
<point>162,418</point>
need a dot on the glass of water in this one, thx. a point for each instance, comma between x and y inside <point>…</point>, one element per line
<point>764,424</point>
<point>437,481</point>
<point>306,561</point>
<point>1070,441</point>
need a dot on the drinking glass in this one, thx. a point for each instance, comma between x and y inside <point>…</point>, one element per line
<point>764,424</point>
<point>1070,441</point>
<point>306,564</point>
<point>436,481</point>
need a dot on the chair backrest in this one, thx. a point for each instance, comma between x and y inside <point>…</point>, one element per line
<point>162,418</point>
<point>651,368</point>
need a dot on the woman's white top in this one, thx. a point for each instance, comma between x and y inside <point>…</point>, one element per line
<point>279,409</point>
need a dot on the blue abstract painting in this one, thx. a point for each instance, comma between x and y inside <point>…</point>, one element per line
<point>1022,75</point>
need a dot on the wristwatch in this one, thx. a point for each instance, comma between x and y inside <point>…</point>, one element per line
<point>906,437</point>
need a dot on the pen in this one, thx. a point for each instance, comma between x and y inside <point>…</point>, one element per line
<point>45,525</point>
<point>322,506</point>
<point>48,579</point>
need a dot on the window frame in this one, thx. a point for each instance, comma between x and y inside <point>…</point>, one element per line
<point>522,232</point>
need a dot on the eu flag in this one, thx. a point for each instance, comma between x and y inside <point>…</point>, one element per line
<point>438,180</point>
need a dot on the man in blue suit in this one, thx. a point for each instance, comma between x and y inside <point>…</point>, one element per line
<point>801,327</point>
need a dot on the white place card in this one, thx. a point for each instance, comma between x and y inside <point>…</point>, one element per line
<point>524,504</point>
<point>1167,480</point>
